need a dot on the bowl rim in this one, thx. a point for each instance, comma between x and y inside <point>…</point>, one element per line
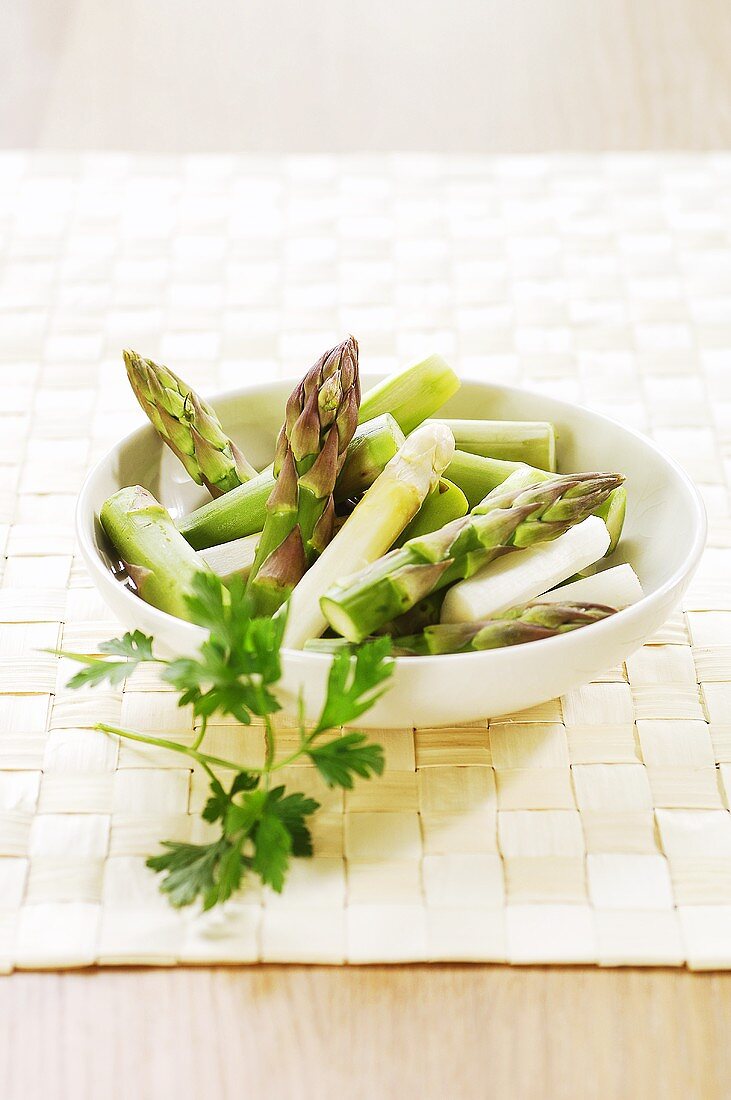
<point>84,519</point>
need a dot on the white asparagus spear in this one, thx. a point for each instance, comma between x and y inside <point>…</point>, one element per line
<point>618,587</point>
<point>232,559</point>
<point>521,575</point>
<point>378,519</point>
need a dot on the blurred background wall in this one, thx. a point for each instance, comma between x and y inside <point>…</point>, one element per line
<point>344,75</point>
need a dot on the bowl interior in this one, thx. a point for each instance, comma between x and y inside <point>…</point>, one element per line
<point>663,514</point>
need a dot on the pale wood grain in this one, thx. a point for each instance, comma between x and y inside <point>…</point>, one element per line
<point>407,1032</point>
<point>468,76</point>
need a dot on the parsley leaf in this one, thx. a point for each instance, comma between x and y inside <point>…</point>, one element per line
<point>272,847</point>
<point>234,674</point>
<point>135,648</point>
<point>292,810</point>
<point>212,871</point>
<point>339,761</point>
<point>135,645</point>
<point>276,826</point>
<point>281,831</point>
<point>218,804</point>
<point>237,663</point>
<point>267,823</point>
<point>355,683</point>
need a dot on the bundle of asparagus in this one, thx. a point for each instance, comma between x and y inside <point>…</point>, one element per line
<point>508,518</point>
<point>370,521</point>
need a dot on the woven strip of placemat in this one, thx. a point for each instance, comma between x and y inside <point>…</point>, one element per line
<point>592,829</point>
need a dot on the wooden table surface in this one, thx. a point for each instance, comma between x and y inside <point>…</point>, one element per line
<point>472,76</point>
<point>378,1032</point>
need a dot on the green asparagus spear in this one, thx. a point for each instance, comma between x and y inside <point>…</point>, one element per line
<point>188,425</point>
<point>613,512</point>
<point>412,394</point>
<point>533,442</point>
<point>242,511</point>
<point>477,476</point>
<point>158,559</point>
<point>370,450</point>
<point>404,399</point>
<point>376,521</point>
<point>445,503</point>
<point>321,417</point>
<point>509,517</point>
<point>523,624</point>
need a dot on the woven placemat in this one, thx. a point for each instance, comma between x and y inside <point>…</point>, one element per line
<point>595,828</point>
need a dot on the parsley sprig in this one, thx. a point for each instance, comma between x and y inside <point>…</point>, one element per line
<point>234,674</point>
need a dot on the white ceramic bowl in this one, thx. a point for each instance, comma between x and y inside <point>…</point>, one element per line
<point>663,539</point>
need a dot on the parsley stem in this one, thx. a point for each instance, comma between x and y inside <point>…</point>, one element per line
<point>201,734</point>
<point>87,659</point>
<point>270,746</point>
<point>186,750</point>
<point>203,758</point>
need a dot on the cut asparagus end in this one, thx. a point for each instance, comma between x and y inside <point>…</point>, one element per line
<point>329,645</point>
<point>340,620</point>
<point>613,513</point>
<point>445,503</point>
<point>412,394</point>
<point>157,557</point>
<point>532,442</point>
<point>517,578</point>
<point>231,559</point>
<point>371,449</point>
<point>617,587</point>
<point>377,520</point>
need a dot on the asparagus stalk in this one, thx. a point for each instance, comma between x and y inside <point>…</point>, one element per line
<point>445,503</point>
<point>188,425</point>
<point>510,517</point>
<point>528,441</point>
<point>330,645</point>
<point>515,579</point>
<point>477,476</point>
<point>242,511</point>
<point>372,447</point>
<point>377,520</point>
<point>158,559</point>
<point>618,587</point>
<point>231,559</point>
<point>413,394</point>
<point>321,417</point>
<point>613,512</point>
<point>522,624</point>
